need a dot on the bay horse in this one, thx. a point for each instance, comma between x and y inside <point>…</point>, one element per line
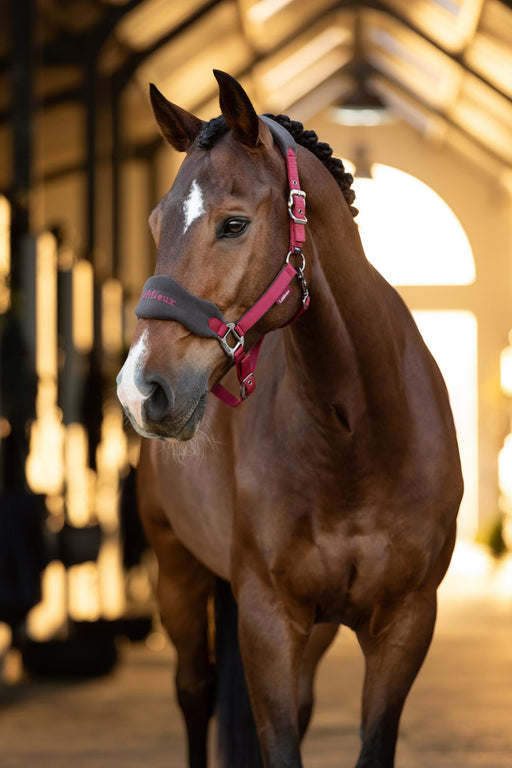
<point>330,496</point>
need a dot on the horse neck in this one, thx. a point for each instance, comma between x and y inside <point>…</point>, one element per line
<point>344,350</point>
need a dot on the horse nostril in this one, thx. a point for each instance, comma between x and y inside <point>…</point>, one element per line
<point>160,401</point>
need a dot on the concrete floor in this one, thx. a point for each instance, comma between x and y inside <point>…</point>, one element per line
<point>458,715</point>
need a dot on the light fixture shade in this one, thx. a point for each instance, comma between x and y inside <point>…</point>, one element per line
<point>362,107</point>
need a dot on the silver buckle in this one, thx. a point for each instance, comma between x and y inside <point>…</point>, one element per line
<point>239,341</point>
<point>291,202</point>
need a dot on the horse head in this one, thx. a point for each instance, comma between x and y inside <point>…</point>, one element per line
<point>222,235</point>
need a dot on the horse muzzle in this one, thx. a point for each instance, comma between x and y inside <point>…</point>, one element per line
<point>158,406</point>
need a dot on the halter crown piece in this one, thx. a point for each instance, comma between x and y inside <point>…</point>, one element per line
<point>165,299</point>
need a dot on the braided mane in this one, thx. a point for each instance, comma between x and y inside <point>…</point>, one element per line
<point>211,132</point>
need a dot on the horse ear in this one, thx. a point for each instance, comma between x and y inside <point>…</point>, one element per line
<point>179,127</point>
<point>237,109</point>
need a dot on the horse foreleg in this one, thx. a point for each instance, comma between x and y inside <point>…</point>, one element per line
<point>394,643</point>
<point>320,639</point>
<point>272,645</point>
<point>184,586</point>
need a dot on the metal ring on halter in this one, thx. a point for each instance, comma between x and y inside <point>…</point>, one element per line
<point>297,253</point>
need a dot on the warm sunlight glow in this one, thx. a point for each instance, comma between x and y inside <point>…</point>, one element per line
<point>112,316</point>
<point>111,459</point>
<point>84,599</point>
<point>111,579</point>
<point>262,11</point>
<point>5,254</point>
<point>46,306</point>
<point>409,233</point>
<point>83,306</point>
<point>80,477</point>
<point>50,615</point>
<point>452,338</point>
<point>506,368</point>
<point>45,467</point>
<point>505,484</point>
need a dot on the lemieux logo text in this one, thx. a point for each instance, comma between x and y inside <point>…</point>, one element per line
<point>158,297</point>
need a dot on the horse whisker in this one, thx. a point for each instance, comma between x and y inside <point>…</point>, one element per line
<point>195,448</point>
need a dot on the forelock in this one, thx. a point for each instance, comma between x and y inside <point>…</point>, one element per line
<point>211,132</point>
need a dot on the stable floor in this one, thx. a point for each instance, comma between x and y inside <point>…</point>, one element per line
<point>458,715</point>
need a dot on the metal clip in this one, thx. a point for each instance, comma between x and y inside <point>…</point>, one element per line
<point>305,290</point>
<point>244,394</point>
<point>300,275</point>
<point>239,341</point>
<point>291,203</point>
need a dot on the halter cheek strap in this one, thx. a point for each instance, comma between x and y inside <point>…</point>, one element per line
<point>165,299</point>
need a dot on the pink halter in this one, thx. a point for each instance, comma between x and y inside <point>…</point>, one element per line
<point>165,299</point>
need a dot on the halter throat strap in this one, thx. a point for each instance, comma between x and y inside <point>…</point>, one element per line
<point>165,299</point>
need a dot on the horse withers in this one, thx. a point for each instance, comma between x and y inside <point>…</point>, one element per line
<point>330,495</point>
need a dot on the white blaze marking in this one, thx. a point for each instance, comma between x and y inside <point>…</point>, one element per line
<point>193,205</point>
<point>127,390</point>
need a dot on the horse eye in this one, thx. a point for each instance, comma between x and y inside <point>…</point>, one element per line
<point>234,227</point>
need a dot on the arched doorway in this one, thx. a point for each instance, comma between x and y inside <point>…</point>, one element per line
<point>429,248</point>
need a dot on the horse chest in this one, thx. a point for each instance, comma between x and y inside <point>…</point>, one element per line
<point>197,501</point>
<point>342,569</point>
